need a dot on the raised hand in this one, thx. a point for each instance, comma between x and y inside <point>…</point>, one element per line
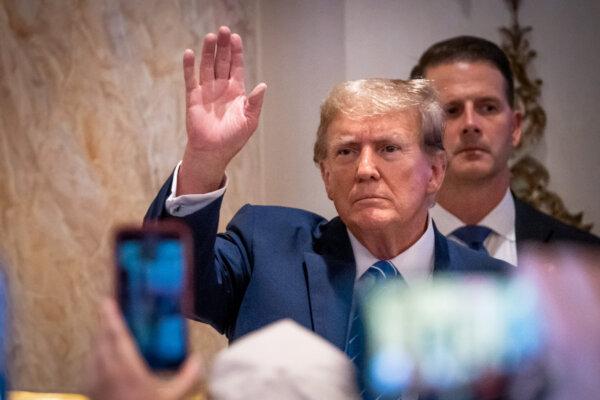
<point>220,118</point>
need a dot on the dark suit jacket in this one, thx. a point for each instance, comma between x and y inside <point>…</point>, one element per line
<point>277,262</point>
<point>532,225</point>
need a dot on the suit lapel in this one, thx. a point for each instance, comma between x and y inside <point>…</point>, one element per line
<point>330,272</point>
<point>441,260</point>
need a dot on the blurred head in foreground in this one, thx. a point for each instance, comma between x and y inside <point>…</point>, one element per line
<point>282,361</point>
<point>568,282</point>
<point>533,336</point>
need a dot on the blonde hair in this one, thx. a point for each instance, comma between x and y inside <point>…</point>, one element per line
<point>379,97</point>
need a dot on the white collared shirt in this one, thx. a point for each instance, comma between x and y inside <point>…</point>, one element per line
<point>180,206</point>
<point>415,263</point>
<point>502,241</point>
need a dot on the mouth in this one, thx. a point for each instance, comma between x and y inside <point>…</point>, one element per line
<point>471,150</point>
<point>370,198</point>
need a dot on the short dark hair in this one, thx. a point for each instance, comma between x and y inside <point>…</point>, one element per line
<point>467,48</point>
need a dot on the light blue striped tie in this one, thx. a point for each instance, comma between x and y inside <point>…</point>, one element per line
<point>376,274</point>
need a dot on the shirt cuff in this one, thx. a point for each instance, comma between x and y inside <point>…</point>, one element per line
<point>181,206</point>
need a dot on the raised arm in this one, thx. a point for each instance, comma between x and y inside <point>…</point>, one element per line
<point>220,118</point>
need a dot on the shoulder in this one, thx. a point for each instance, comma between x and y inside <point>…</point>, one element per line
<point>275,218</point>
<point>270,230</point>
<point>534,225</point>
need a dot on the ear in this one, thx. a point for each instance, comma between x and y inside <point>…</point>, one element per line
<point>438,171</point>
<point>517,122</point>
<point>325,176</point>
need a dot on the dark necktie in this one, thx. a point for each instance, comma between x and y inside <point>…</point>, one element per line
<point>473,236</point>
<point>376,274</point>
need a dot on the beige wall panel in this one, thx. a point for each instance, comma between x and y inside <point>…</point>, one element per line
<point>91,123</point>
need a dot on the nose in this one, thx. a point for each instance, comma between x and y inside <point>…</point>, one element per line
<point>367,165</point>
<point>470,120</point>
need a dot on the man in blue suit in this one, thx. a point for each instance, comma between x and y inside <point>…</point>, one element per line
<point>379,150</point>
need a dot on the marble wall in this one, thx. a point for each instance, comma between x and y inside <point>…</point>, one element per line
<point>91,123</point>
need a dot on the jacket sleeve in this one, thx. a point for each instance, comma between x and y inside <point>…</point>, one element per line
<point>222,264</point>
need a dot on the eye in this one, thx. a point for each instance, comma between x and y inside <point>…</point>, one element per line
<point>390,148</point>
<point>452,110</point>
<point>343,152</point>
<point>489,108</point>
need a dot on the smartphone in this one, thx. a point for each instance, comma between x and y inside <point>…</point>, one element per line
<point>447,335</point>
<point>153,265</point>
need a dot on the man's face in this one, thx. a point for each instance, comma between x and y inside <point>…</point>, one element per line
<point>377,173</point>
<point>481,127</point>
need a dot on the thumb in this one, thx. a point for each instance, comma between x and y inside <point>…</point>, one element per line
<point>186,381</point>
<point>254,102</point>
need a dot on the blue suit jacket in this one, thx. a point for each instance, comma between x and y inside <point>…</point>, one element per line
<point>277,262</point>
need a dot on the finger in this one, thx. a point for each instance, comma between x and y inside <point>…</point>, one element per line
<point>223,56</point>
<point>119,338</point>
<point>254,102</point>
<point>97,369</point>
<point>237,59</point>
<point>104,360</point>
<point>112,323</point>
<point>186,380</point>
<point>188,70</point>
<point>207,61</point>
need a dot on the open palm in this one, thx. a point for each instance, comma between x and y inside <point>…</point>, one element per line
<point>220,118</point>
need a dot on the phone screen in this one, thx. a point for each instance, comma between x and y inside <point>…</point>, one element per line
<point>152,281</point>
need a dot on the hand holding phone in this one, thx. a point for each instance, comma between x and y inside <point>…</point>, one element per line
<point>118,371</point>
<point>153,289</point>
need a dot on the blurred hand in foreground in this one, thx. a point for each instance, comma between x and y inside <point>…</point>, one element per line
<point>118,372</point>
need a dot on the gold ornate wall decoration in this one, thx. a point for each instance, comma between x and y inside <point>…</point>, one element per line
<point>530,178</point>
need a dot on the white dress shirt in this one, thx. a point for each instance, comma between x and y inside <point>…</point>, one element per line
<point>415,263</point>
<point>180,206</point>
<point>502,241</point>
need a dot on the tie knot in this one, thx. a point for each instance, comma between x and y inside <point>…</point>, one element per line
<point>380,271</point>
<point>377,274</point>
<point>473,236</point>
